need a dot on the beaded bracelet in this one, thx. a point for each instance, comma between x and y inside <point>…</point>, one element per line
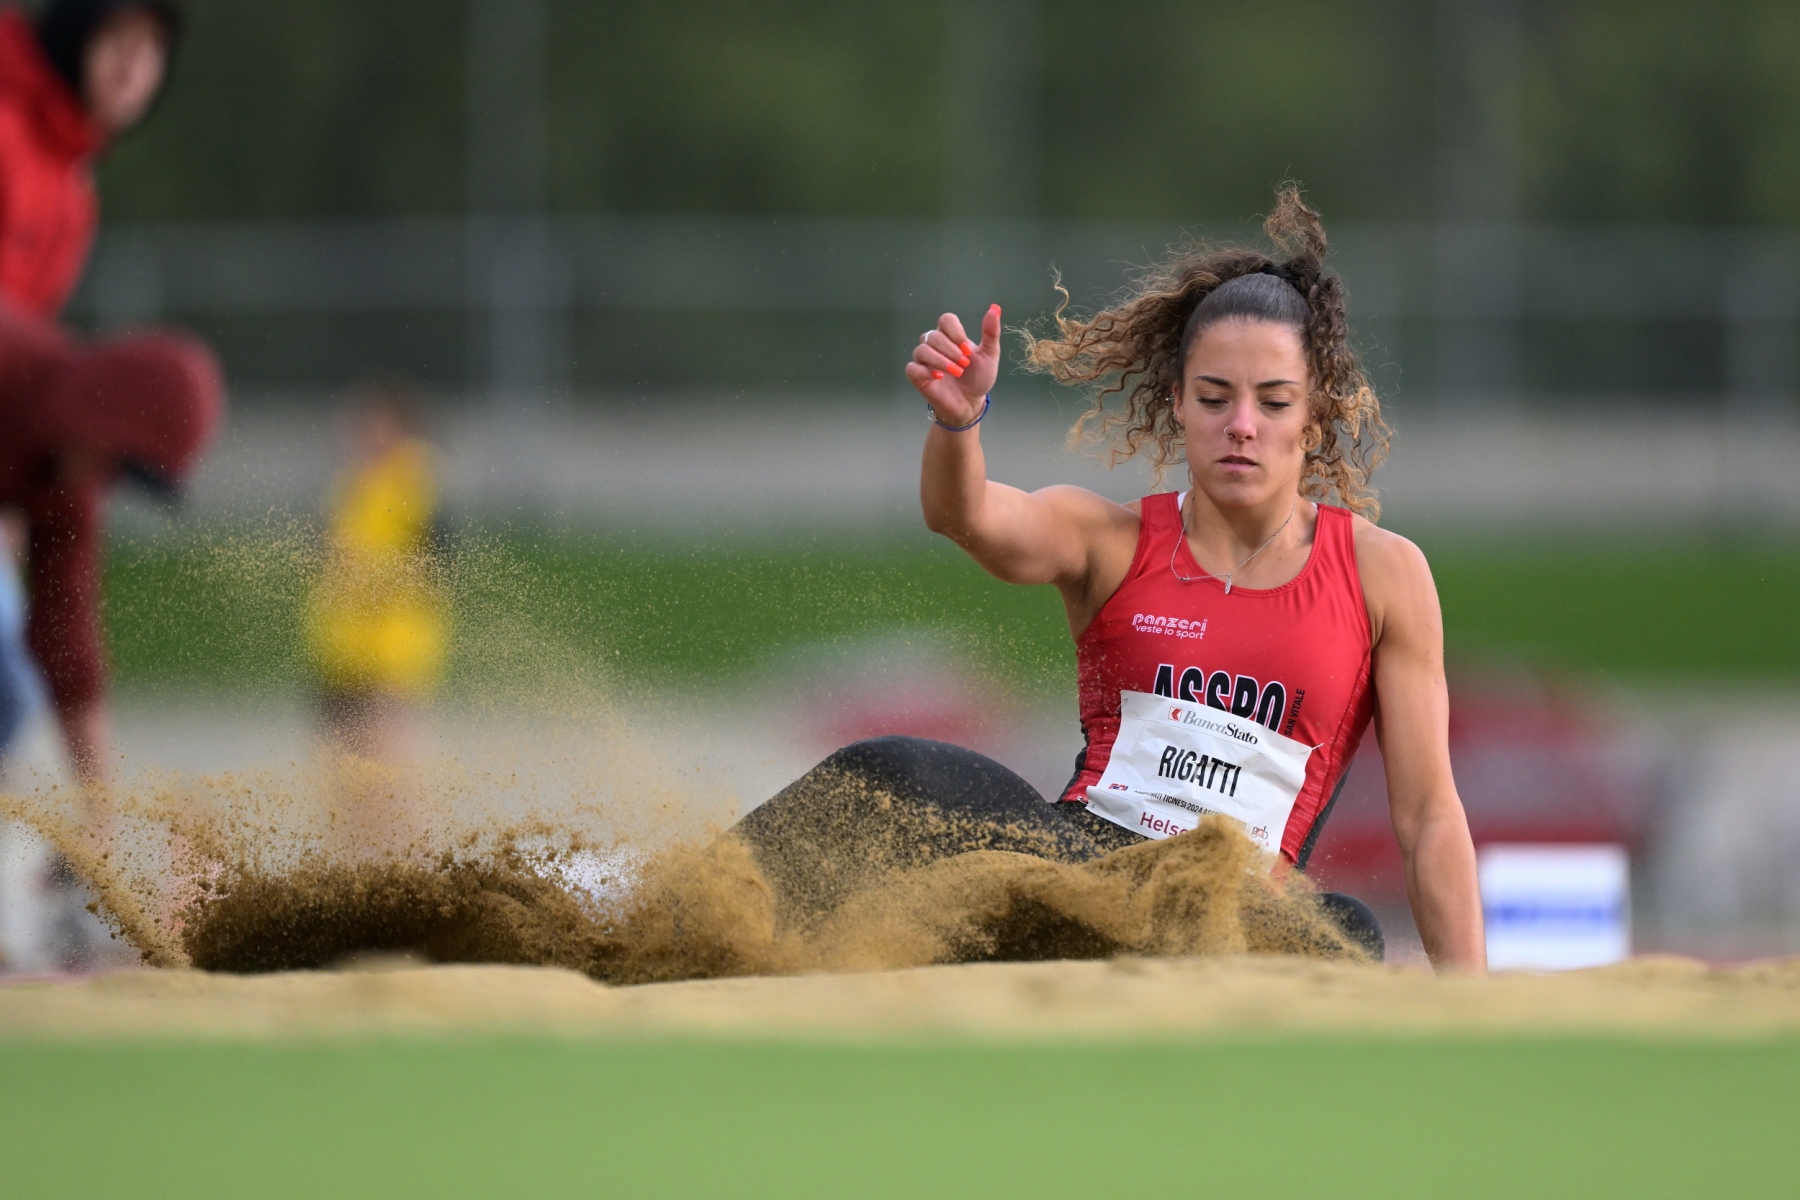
<point>932,414</point>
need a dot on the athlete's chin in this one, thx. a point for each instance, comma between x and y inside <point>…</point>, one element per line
<point>1240,488</point>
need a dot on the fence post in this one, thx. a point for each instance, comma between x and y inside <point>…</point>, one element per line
<point>513,287</point>
<point>127,282</point>
<point>1758,310</point>
<point>1476,276</point>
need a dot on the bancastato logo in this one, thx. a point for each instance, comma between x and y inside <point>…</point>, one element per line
<point>1239,695</point>
<point>1230,729</point>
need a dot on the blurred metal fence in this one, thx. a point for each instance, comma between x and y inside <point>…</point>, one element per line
<point>521,307</point>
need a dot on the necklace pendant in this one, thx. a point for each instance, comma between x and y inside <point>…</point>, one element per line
<point>1228,584</point>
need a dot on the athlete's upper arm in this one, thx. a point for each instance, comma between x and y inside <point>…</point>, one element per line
<point>1399,591</point>
<point>1057,534</point>
<point>1412,699</point>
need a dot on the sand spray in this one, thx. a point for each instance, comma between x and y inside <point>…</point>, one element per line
<point>623,869</point>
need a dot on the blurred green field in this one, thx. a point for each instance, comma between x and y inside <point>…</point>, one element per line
<point>223,610</point>
<point>1296,1117</point>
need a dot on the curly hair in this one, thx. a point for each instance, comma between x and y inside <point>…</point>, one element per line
<point>1138,348</point>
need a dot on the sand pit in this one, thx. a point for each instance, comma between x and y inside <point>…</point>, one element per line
<point>487,927</point>
<point>1127,998</point>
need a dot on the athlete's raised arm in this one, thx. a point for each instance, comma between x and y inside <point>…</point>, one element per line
<point>1048,536</point>
<point>1412,722</point>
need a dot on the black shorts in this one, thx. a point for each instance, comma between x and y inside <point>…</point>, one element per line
<point>899,803</point>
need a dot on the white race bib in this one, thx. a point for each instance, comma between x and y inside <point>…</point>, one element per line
<point>1175,761</point>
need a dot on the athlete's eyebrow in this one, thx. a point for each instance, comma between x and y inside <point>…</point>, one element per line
<point>1225,383</point>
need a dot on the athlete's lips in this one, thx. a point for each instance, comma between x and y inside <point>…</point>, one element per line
<point>1237,460</point>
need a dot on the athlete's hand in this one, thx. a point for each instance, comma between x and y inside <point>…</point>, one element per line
<point>953,373</point>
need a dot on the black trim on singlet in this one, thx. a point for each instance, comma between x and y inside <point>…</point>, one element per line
<point>1312,835</point>
<point>1080,766</point>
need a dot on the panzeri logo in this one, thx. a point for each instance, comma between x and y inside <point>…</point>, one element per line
<point>1169,626</point>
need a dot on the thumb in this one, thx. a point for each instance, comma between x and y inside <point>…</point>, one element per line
<point>990,329</point>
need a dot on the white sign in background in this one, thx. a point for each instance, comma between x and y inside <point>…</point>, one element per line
<point>1555,908</point>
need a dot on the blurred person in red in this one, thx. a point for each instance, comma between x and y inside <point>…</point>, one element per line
<point>83,73</point>
<point>78,419</point>
<point>72,80</point>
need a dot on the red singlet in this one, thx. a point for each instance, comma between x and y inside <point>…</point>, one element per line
<point>1294,657</point>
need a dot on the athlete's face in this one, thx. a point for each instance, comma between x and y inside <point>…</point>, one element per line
<point>1243,406</point>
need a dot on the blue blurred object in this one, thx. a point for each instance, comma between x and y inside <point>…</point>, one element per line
<point>21,691</point>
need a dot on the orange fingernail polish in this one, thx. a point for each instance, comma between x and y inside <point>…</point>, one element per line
<point>964,360</point>
<point>968,347</point>
<point>937,374</point>
<point>954,370</point>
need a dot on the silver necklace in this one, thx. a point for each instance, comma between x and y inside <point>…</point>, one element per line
<point>1181,520</point>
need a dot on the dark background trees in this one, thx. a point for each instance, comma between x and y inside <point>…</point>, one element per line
<point>1624,110</point>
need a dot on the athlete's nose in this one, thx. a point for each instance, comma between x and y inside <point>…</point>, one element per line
<point>1240,428</point>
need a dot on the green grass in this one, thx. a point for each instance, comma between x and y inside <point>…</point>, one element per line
<point>223,609</point>
<point>1688,608</point>
<point>1379,1118</point>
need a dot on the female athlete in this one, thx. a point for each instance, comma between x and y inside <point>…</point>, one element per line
<point>1234,639</point>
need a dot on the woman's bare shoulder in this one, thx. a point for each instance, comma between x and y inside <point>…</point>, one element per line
<point>1395,577</point>
<point>1108,533</point>
<point>1386,552</point>
<point>1090,508</point>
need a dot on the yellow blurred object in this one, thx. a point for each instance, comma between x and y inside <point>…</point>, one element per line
<point>375,620</point>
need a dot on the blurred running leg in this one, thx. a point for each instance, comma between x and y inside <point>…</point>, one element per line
<point>21,693</point>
